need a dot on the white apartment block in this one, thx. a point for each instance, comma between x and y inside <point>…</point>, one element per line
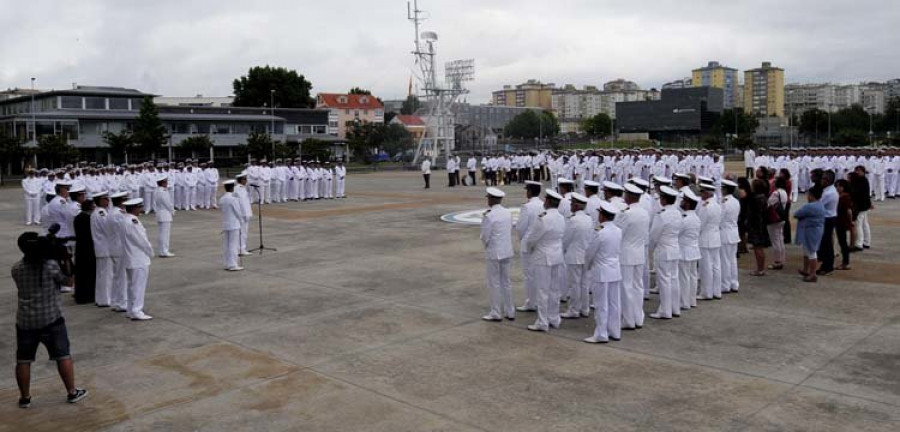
<point>572,105</point>
<point>799,98</point>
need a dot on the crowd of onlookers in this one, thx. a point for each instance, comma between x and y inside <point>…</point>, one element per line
<point>835,208</point>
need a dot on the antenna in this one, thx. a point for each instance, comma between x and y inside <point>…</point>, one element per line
<point>439,136</point>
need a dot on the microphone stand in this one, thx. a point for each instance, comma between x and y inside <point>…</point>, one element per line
<point>261,248</point>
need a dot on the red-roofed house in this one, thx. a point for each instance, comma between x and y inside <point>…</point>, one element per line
<point>349,107</point>
<point>413,124</point>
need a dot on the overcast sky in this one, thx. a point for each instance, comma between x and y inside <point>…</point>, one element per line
<point>183,48</point>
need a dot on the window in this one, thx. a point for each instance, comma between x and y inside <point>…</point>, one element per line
<point>95,103</point>
<point>136,104</point>
<point>346,112</point>
<point>365,112</point>
<point>70,102</point>
<point>118,104</point>
<point>221,129</point>
<point>202,128</point>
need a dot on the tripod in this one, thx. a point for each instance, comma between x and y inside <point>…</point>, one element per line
<point>261,248</point>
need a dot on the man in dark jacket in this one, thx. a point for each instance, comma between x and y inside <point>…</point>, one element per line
<point>862,203</point>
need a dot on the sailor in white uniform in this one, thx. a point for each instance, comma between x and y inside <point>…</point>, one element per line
<point>602,257</point>
<point>544,244</point>
<point>496,236</point>
<point>664,231</point>
<point>137,260</point>
<point>231,226</point>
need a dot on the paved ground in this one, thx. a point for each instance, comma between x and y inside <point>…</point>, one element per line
<point>367,318</point>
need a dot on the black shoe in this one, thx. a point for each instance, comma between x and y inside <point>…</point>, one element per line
<point>867,247</point>
<point>77,396</point>
<point>24,402</point>
<point>824,272</point>
<point>615,339</point>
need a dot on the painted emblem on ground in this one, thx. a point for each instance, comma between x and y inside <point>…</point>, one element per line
<point>473,217</point>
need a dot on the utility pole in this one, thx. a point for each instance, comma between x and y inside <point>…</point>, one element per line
<point>272,134</point>
<point>33,122</point>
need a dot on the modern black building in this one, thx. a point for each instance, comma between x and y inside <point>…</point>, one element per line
<point>680,113</point>
<point>82,115</point>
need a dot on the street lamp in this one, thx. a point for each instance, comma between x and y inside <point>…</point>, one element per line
<point>272,131</point>
<point>829,123</point>
<point>871,132</point>
<point>33,122</point>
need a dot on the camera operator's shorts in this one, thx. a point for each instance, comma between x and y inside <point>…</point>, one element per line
<point>54,337</point>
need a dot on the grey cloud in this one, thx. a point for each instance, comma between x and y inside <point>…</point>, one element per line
<point>188,47</point>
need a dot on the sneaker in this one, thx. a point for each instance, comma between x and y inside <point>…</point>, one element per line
<point>533,327</point>
<point>77,396</point>
<point>570,315</point>
<point>238,268</point>
<point>140,316</point>
<point>526,309</point>
<point>594,340</point>
<point>245,253</point>
<point>491,318</point>
<point>25,402</point>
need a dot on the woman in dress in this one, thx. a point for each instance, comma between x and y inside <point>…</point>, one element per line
<point>757,234</point>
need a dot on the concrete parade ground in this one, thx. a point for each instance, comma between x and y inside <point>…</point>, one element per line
<point>368,318</point>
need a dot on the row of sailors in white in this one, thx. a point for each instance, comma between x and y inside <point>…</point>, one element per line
<point>616,166</point>
<point>296,181</point>
<point>575,245</point>
<point>192,187</point>
<point>122,249</point>
<point>882,167</point>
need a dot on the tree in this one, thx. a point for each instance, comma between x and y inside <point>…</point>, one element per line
<point>197,144</point>
<point>396,139</point>
<point>732,119</point>
<point>599,125</point>
<point>531,124</point>
<point>712,142</point>
<point>120,144</point>
<point>259,145</point>
<point>365,137</point>
<point>11,151</point>
<point>55,151</point>
<point>315,149</point>
<point>359,91</point>
<point>149,133</point>
<point>813,124</point>
<point>891,119</point>
<point>292,90</point>
<point>410,105</point>
<point>851,138</point>
<point>743,143</point>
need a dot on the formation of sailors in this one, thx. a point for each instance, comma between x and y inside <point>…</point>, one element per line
<point>595,249</point>
<point>296,180</point>
<point>595,165</point>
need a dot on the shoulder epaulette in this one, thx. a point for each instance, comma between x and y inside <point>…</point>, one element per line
<point>134,221</point>
<point>542,214</point>
<point>101,213</point>
<point>486,212</point>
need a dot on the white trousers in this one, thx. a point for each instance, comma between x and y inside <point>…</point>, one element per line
<point>231,245</point>
<point>340,187</point>
<point>687,283</point>
<point>667,283</point>
<point>579,298</point>
<point>499,288</point>
<point>776,236</point>
<point>148,201</point>
<point>104,284</point>
<point>190,197</point>
<point>137,287</point>
<point>329,188</point>
<point>119,290</point>
<point>301,189</point>
<point>162,237</point>
<point>213,188</point>
<point>728,262</point>
<point>710,273</point>
<point>607,312</point>
<point>266,193</point>
<point>277,190</point>
<point>879,187</point>
<point>531,295</point>
<point>863,231</point>
<point>632,295</point>
<point>890,184</point>
<point>546,281</point>
<point>33,210</point>
<point>245,226</point>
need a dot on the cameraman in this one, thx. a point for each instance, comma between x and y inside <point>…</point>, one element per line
<point>39,317</point>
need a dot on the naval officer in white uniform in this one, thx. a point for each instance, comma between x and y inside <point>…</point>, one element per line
<point>496,236</point>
